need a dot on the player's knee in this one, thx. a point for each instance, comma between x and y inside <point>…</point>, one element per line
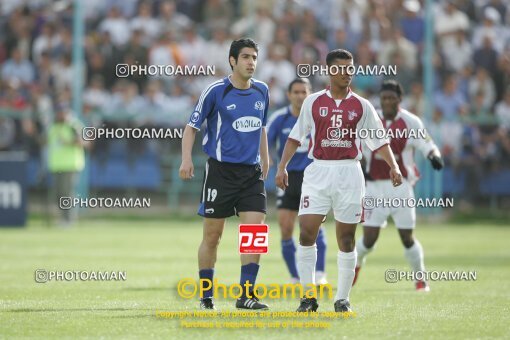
<point>369,243</point>
<point>347,243</point>
<point>369,240</point>
<point>407,237</point>
<point>307,238</point>
<point>408,242</point>
<point>286,231</point>
<point>286,225</point>
<point>212,240</point>
<point>370,237</point>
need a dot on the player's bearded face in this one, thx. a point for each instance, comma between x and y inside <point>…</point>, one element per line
<point>340,72</point>
<point>246,63</point>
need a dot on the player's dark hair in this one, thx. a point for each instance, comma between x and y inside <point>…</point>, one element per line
<point>392,85</point>
<point>338,54</point>
<point>238,45</point>
<point>300,81</point>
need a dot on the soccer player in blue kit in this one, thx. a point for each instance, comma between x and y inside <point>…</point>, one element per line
<point>234,110</point>
<point>279,126</point>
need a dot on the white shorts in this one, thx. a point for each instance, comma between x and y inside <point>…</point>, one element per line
<point>333,184</point>
<point>376,216</point>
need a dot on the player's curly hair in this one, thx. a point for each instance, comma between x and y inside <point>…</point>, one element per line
<point>238,45</point>
<point>392,85</point>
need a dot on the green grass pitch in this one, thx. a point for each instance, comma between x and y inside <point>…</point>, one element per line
<point>156,254</point>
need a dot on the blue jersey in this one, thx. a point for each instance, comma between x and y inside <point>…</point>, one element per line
<point>280,124</point>
<point>233,120</point>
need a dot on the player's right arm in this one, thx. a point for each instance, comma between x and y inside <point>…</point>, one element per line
<point>282,177</point>
<point>188,139</point>
<point>299,133</point>
<point>204,107</point>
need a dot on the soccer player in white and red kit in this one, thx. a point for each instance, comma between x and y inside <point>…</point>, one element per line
<point>334,179</point>
<point>408,134</point>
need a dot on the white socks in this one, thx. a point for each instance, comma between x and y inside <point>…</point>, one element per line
<point>306,257</point>
<point>346,263</point>
<point>362,252</point>
<point>414,256</point>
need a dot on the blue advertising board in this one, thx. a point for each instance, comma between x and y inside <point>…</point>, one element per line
<point>13,185</point>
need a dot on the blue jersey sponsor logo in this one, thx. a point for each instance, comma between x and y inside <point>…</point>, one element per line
<point>247,124</point>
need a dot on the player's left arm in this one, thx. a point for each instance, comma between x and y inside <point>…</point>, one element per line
<point>272,129</point>
<point>373,122</point>
<point>424,142</point>
<point>264,153</point>
<point>264,149</point>
<point>436,160</point>
<point>395,174</point>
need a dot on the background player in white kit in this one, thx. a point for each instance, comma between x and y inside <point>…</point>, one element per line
<point>334,179</point>
<point>405,128</point>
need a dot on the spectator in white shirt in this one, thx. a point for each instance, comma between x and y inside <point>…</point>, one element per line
<point>117,26</point>
<point>458,52</point>
<point>399,44</point>
<point>217,51</point>
<point>448,21</point>
<point>146,23</point>
<point>490,28</point>
<point>95,96</point>
<point>481,82</point>
<point>503,111</point>
<point>63,73</point>
<point>46,41</point>
<point>261,24</point>
<point>18,68</point>
<point>193,47</point>
<point>173,21</point>
<point>280,69</point>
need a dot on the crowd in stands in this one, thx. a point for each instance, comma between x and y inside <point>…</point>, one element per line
<point>471,116</point>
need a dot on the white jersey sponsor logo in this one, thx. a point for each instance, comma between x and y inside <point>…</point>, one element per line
<point>326,143</point>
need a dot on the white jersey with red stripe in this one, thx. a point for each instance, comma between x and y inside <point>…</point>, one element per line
<point>323,117</point>
<point>407,134</point>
